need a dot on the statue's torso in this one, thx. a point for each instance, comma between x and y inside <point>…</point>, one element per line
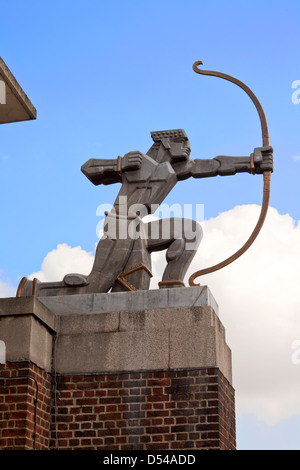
<point>147,186</point>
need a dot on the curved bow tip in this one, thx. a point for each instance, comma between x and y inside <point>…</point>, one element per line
<point>196,65</point>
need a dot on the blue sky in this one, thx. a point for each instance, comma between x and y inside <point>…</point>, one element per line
<point>102,75</point>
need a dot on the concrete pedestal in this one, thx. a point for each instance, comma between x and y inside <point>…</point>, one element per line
<point>130,370</point>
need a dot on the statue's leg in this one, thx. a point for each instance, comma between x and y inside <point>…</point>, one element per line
<point>28,288</point>
<point>111,255</point>
<point>136,274</point>
<point>116,252</point>
<point>109,261</point>
<point>181,238</point>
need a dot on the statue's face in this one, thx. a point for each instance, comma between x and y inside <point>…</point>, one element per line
<point>180,148</point>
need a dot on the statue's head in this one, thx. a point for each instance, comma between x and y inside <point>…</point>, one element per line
<point>175,141</point>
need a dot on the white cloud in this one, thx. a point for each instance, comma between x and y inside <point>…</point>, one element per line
<point>258,297</point>
<point>296,158</point>
<point>7,290</point>
<point>62,260</point>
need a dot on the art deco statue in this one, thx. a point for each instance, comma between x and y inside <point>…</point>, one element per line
<point>123,255</point>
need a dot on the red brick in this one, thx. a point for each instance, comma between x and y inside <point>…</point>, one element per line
<point>144,410</point>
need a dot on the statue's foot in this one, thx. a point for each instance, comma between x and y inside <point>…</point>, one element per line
<point>75,280</point>
<point>27,288</point>
<point>170,284</point>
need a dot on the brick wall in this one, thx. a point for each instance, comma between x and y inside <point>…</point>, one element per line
<point>156,410</point>
<point>17,406</point>
<point>187,409</point>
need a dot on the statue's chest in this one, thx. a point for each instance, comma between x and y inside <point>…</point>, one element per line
<point>152,181</point>
<point>151,173</point>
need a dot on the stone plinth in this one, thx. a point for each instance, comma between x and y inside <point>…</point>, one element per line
<point>159,357</point>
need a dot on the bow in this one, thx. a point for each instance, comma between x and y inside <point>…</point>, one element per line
<point>267,175</point>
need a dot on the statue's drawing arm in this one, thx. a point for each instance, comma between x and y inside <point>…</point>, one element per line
<point>261,160</point>
<point>109,171</point>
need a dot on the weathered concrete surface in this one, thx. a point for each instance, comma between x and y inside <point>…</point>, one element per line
<point>124,331</point>
<point>148,339</point>
<point>27,328</point>
<point>14,103</point>
<point>28,306</point>
<point>131,301</point>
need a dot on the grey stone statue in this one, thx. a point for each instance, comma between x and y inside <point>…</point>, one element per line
<point>123,255</point>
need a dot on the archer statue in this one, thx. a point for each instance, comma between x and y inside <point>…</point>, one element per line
<point>123,254</point>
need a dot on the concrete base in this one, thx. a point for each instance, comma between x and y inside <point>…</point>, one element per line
<point>143,330</point>
<point>145,370</point>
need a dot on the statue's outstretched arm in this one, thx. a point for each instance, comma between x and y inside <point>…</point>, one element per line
<point>109,171</point>
<point>101,171</point>
<point>259,161</point>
